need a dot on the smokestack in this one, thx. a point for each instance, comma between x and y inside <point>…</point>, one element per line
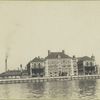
<point>49,52</point>
<point>6,59</point>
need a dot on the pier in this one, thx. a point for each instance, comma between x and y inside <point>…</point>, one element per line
<point>46,79</point>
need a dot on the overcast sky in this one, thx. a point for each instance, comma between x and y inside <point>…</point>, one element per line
<point>29,29</point>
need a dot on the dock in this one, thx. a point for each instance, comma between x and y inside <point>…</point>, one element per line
<point>46,79</point>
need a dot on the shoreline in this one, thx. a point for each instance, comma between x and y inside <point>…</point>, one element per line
<point>46,79</point>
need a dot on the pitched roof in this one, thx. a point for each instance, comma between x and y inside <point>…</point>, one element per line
<point>37,59</point>
<point>54,55</point>
<point>84,58</point>
<point>11,73</point>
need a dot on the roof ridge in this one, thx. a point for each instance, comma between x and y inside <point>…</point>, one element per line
<point>55,55</point>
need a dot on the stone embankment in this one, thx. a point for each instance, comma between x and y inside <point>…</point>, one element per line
<point>45,79</point>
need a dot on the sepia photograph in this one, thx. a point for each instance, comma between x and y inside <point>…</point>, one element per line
<point>49,50</point>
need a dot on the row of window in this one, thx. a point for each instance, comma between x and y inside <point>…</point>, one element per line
<point>89,64</point>
<point>56,62</point>
<point>60,74</point>
<point>59,66</point>
<point>36,64</point>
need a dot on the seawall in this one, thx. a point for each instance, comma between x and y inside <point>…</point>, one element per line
<point>44,79</point>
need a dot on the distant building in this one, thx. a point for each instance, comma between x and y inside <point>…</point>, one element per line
<point>11,74</point>
<point>87,65</point>
<point>24,73</point>
<point>14,74</point>
<point>98,69</point>
<point>36,67</point>
<point>58,64</point>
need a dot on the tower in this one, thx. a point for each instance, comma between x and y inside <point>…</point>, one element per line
<point>93,57</point>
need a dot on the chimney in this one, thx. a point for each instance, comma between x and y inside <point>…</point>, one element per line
<point>74,56</point>
<point>63,51</point>
<point>6,59</point>
<point>48,52</point>
<point>93,57</point>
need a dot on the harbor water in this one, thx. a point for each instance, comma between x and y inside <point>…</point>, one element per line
<point>88,89</point>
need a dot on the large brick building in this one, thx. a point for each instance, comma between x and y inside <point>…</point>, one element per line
<point>58,64</point>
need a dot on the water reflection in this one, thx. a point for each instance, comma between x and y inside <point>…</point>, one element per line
<point>58,89</point>
<point>36,90</point>
<point>86,89</point>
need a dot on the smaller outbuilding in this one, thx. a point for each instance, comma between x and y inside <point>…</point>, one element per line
<point>14,74</point>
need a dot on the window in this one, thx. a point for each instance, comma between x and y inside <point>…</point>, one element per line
<point>91,64</point>
<point>74,71</point>
<point>39,65</point>
<point>87,64</point>
<point>69,66</point>
<point>59,56</point>
<point>63,61</point>
<point>74,66</point>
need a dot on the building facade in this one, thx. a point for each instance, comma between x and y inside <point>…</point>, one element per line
<point>75,66</point>
<point>36,67</point>
<point>59,64</point>
<point>87,65</point>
